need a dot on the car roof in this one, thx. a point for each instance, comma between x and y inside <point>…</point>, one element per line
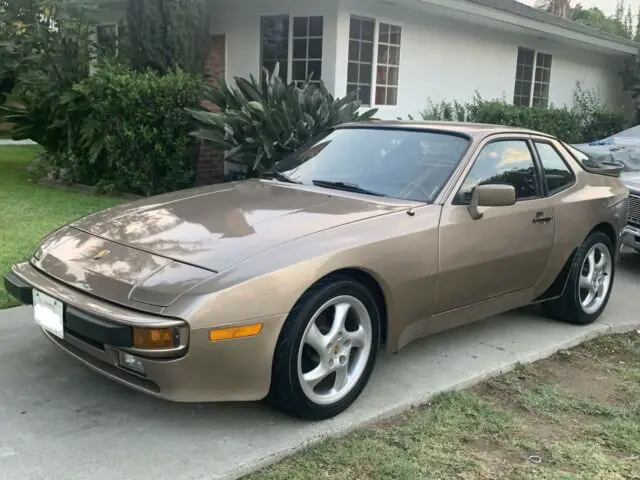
<point>476,130</point>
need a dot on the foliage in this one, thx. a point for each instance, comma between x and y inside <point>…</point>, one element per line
<point>589,120</point>
<point>596,18</point>
<point>46,52</point>
<point>598,120</point>
<point>132,132</point>
<point>42,41</point>
<point>631,80</point>
<point>164,35</point>
<point>262,121</point>
<point>621,24</point>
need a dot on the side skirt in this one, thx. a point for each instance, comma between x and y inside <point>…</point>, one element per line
<point>462,316</point>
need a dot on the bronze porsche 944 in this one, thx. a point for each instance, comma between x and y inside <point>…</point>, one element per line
<point>286,288</point>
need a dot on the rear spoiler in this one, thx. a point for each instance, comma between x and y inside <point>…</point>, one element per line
<point>608,169</point>
<point>599,167</point>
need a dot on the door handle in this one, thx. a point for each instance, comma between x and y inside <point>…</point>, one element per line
<point>542,218</point>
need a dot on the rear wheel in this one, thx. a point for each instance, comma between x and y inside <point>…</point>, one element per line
<point>327,350</point>
<point>589,284</point>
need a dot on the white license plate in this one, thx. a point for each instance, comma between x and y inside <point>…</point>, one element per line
<point>48,313</point>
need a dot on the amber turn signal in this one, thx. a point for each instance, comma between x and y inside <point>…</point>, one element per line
<point>235,332</point>
<point>150,339</point>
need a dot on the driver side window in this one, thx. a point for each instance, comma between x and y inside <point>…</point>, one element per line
<point>504,162</point>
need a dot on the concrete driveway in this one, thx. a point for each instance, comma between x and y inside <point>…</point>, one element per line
<point>59,420</point>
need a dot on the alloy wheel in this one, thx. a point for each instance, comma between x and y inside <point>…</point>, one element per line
<point>595,278</point>
<point>334,350</point>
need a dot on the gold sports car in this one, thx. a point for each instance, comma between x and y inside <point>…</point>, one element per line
<point>285,288</point>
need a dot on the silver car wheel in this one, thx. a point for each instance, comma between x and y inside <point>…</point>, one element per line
<point>335,349</point>
<point>595,278</point>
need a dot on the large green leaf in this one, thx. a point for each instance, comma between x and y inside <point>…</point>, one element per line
<point>263,120</point>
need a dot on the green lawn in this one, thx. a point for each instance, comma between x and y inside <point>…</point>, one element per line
<point>573,416</point>
<point>29,211</point>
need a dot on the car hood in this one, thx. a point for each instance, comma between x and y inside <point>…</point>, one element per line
<point>631,180</point>
<point>216,227</point>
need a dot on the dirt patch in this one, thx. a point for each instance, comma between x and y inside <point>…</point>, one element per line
<point>581,371</point>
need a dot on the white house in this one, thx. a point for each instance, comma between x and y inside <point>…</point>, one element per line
<point>402,54</point>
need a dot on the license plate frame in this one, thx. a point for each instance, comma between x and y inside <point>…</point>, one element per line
<point>48,313</point>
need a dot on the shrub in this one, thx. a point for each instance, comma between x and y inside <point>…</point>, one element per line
<point>589,120</point>
<point>134,133</point>
<point>599,120</point>
<point>262,121</point>
<point>42,65</point>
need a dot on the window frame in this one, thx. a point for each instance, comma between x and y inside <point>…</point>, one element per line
<point>308,38</point>
<point>374,66</point>
<point>374,57</point>
<point>116,32</point>
<point>532,81</point>
<point>455,192</point>
<point>551,143</point>
<point>388,66</point>
<point>290,44</point>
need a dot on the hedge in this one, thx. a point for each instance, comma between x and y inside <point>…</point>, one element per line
<point>584,123</point>
<point>134,134</point>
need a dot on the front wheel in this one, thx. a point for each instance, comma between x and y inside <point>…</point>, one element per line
<point>327,350</point>
<point>589,284</point>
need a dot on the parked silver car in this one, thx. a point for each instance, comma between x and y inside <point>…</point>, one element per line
<point>623,149</point>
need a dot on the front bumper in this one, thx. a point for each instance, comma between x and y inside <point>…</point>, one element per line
<point>631,236</point>
<point>96,332</point>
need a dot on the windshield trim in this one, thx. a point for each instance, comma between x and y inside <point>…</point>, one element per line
<point>403,127</point>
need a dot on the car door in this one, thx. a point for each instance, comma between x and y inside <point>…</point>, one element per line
<point>507,249</point>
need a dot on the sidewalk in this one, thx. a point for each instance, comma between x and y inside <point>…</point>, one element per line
<point>64,421</point>
<point>8,142</point>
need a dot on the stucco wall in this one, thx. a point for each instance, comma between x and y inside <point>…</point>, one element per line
<point>446,59</point>
<point>441,58</point>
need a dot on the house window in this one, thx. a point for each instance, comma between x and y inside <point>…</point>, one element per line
<point>533,78</point>
<point>388,64</point>
<point>107,39</point>
<point>275,44</point>
<point>307,48</point>
<point>365,38</point>
<point>296,44</point>
<point>542,81</point>
<point>360,67</point>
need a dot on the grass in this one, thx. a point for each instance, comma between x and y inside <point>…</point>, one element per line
<point>573,416</point>
<point>29,211</point>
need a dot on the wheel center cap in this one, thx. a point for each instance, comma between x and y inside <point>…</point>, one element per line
<point>336,349</point>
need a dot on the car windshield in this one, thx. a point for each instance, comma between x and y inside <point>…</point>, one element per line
<point>391,162</point>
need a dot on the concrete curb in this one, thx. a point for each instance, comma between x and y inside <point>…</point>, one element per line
<point>597,329</point>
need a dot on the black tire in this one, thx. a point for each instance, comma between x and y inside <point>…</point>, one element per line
<point>568,307</point>
<point>286,393</point>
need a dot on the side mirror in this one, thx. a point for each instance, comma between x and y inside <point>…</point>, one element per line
<point>491,196</point>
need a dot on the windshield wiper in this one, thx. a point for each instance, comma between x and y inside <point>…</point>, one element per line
<point>347,187</point>
<point>283,177</point>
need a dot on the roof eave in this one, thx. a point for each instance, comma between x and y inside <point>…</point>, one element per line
<point>622,47</point>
